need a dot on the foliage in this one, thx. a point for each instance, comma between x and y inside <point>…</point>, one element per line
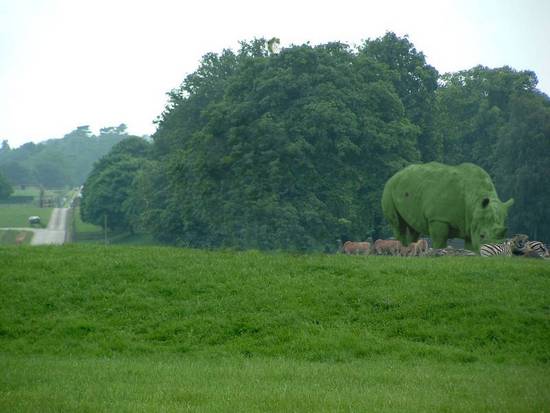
<point>524,164</point>
<point>415,82</point>
<point>287,151</point>
<point>59,162</point>
<point>496,118</point>
<point>107,188</point>
<point>5,188</point>
<point>291,150</point>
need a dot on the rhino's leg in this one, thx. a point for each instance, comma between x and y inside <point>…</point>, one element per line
<point>439,231</point>
<point>410,236</point>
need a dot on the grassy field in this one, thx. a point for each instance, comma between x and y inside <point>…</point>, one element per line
<point>89,328</point>
<point>85,232</point>
<point>94,234</point>
<point>34,191</point>
<point>17,215</point>
<point>8,237</point>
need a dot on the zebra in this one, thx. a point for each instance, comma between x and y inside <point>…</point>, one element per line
<point>538,247</point>
<point>513,246</point>
<point>491,250</point>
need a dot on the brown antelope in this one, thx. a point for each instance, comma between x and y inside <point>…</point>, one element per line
<point>351,247</point>
<point>387,247</point>
<point>418,248</point>
<point>19,238</point>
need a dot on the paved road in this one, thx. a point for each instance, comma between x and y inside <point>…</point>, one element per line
<point>54,233</point>
<point>56,230</point>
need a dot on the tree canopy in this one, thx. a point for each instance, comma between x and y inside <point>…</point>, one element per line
<point>5,188</point>
<point>291,149</point>
<point>58,162</point>
<point>107,188</point>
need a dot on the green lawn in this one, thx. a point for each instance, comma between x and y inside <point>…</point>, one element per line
<point>85,232</point>
<point>94,234</point>
<point>17,215</point>
<point>92,328</point>
<point>175,384</point>
<point>8,237</point>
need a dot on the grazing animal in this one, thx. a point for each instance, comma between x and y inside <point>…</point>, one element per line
<point>538,247</point>
<point>459,252</point>
<point>436,252</point>
<point>423,245</point>
<point>445,202</point>
<point>532,253</point>
<point>418,248</point>
<point>351,247</point>
<point>491,250</point>
<point>387,247</point>
<point>19,238</point>
<point>407,251</point>
<point>513,246</point>
<point>449,252</point>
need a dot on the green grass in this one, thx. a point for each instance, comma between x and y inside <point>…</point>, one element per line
<point>17,215</point>
<point>9,237</point>
<point>85,232</point>
<point>90,328</point>
<point>176,384</point>
<point>28,191</point>
<point>35,192</point>
<point>94,234</point>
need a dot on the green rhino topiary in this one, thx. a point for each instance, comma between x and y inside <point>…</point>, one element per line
<point>444,202</point>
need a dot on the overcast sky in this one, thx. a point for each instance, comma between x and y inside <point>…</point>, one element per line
<point>65,63</point>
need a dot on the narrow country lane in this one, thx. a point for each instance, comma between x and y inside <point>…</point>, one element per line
<point>56,231</point>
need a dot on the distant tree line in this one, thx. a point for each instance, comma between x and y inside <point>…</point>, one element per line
<point>291,150</point>
<point>5,188</point>
<point>58,162</point>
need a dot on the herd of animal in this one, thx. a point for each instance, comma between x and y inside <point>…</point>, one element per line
<point>442,202</point>
<point>518,245</point>
<point>387,247</point>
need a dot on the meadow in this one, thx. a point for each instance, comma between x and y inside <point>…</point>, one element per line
<point>85,232</point>
<point>34,192</point>
<point>93,328</point>
<point>9,237</point>
<point>17,215</point>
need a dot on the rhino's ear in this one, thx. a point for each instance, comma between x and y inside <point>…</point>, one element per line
<point>485,202</point>
<point>509,203</point>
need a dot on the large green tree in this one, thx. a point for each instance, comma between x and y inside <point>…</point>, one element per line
<point>285,150</point>
<point>5,188</point>
<point>496,118</point>
<point>523,164</point>
<point>59,162</point>
<point>107,189</point>
<point>415,82</point>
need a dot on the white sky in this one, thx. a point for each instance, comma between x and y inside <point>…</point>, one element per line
<point>65,63</point>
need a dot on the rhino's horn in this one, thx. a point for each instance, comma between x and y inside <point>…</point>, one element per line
<point>509,203</point>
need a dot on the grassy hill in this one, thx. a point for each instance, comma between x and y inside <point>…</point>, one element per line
<point>89,328</point>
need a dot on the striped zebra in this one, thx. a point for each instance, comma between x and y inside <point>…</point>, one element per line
<point>492,250</point>
<point>537,247</point>
<point>514,246</point>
